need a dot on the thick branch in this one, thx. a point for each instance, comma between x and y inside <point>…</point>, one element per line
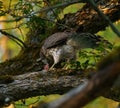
<point>37,83</point>
<point>88,20</point>
<point>104,17</point>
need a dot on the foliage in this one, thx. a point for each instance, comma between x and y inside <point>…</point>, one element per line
<point>88,58</point>
<point>34,101</point>
<point>99,102</point>
<point>102,103</point>
<point>1,8</point>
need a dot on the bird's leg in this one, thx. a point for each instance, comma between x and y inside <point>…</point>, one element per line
<point>52,67</point>
<point>69,61</point>
<point>66,64</point>
<point>56,58</point>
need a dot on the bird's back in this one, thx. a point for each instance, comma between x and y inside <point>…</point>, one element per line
<point>56,39</point>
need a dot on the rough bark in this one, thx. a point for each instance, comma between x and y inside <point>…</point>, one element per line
<point>88,20</point>
<point>40,83</point>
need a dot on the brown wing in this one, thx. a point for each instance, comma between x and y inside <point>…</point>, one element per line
<point>86,40</point>
<point>56,40</point>
<point>52,41</point>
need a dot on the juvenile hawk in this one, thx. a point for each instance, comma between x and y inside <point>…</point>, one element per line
<point>63,46</point>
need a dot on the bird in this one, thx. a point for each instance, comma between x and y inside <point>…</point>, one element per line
<point>62,46</point>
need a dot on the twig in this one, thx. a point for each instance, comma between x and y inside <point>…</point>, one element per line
<point>104,16</point>
<point>14,39</point>
<point>44,9</point>
<point>50,20</point>
<point>9,5</point>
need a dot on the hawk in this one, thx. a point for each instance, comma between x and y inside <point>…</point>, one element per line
<point>63,46</point>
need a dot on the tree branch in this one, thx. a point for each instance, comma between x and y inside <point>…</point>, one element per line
<point>37,83</point>
<point>88,20</point>
<point>61,81</point>
<point>104,17</point>
<point>17,40</point>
